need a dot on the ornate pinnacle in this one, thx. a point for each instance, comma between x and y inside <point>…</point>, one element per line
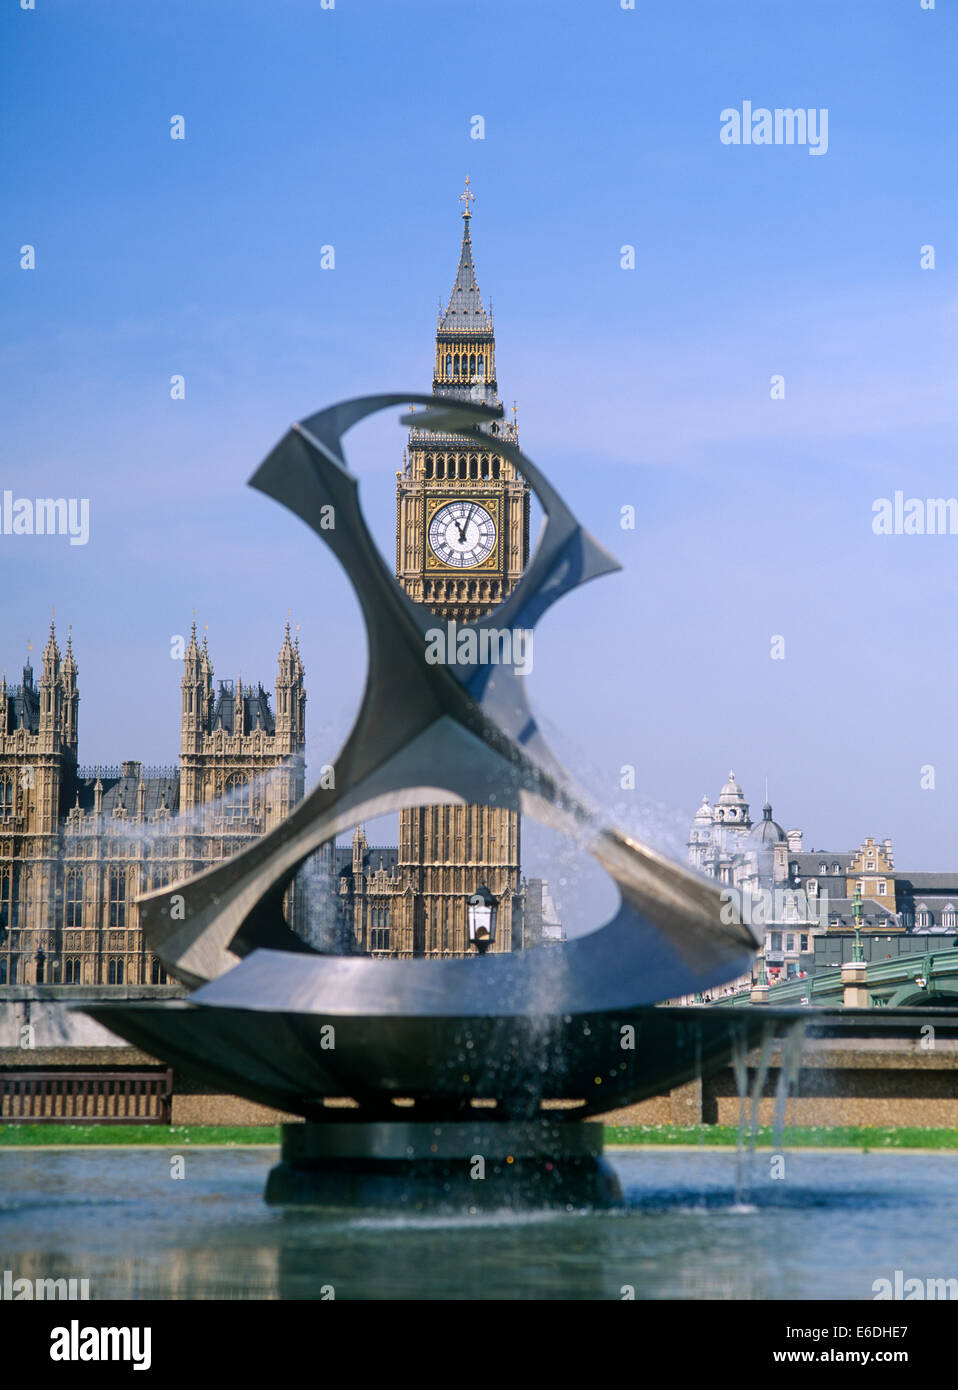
<point>467,198</point>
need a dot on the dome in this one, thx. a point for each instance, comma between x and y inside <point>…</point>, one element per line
<point>767,832</point>
<point>703,815</point>
<point>731,794</point>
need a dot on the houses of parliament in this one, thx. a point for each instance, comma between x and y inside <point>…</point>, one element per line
<point>78,845</point>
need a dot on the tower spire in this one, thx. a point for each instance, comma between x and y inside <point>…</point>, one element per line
<point>465,309</point>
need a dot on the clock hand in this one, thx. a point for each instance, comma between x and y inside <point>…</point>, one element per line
<point>465,523</point>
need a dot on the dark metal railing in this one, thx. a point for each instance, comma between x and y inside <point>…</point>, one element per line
<point>97,1097</point>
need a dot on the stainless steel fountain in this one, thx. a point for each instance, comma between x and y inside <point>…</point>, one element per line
<point>472,1079</point>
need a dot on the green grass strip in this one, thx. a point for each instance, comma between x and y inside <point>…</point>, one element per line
<point>864,1137</point>
<point>13,1136</point>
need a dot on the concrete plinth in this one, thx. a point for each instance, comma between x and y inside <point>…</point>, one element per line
<point>854,987</point>
<point>467,1165</point>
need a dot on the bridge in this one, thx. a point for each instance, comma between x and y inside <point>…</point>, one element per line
<point>909,981</point>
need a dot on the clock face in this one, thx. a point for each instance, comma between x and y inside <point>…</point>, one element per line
<point>462,534</point>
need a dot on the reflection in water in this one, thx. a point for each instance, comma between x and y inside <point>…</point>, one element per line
<point>826,1228</point>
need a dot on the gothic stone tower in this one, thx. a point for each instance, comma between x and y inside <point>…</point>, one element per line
<point>462,542</point>
<point>38,758</point>
<point>78,845</point>
<point>241,764</point>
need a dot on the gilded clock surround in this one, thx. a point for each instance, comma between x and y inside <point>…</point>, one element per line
<point>489,504</point>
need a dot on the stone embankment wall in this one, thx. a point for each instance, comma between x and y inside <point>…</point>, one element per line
<point>848,1081</point>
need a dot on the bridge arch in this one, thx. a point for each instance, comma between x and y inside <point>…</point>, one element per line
<point>908,995</point>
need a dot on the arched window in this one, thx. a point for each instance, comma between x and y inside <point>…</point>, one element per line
<point>237,797</point>
<point>429,465</point>
<point>118,898</point>
<point>6,797</point>
<point>158,974</point>
<point>440,468</point>
<point>456,365</point>
<point>949,918</point>
<point>495,463</point>
<point>115,972</point>
<point>448,364</point>
<point>472,364</point>
<point>484,466</point>
<point>474,467</point>
<point>480,369</point>
<point>923,917</point>
<point>74,900</point>
<point>823,868</point>
<point>71,971</point>
<point>379,934</point>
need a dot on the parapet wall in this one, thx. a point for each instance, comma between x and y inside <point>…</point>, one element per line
<point>843,1081</point>
<point>840,1082</point>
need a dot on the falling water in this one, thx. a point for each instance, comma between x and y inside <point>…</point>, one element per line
<point>749,1101</point>
<point>791,1063</point>
<point>740,1071</point>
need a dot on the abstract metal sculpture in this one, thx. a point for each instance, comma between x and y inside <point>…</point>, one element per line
<point>521,1030</point>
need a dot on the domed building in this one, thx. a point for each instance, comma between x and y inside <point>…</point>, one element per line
<point>764,863</point>
<point>769,843</point>
<point>701,833</point>
<point>732,808</point>
<point>718,832</point>
<point>756,859</point>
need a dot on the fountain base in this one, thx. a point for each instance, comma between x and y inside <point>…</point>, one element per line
<point>472,1165</point>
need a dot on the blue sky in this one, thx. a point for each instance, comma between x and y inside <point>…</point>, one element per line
<point>650,387</point>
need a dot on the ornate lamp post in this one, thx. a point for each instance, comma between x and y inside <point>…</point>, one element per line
<point>483,910</point>
<point>859,954</point>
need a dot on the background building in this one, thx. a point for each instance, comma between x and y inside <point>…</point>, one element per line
<point>799,895</point>
<point>77,845</point>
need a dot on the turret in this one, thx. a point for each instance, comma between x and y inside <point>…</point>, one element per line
<point>290,696</point>
<point>239,709</point>
<point>197,686</point>
<point>360,846</point>
<point>50,694</point>
<point>71,698</point>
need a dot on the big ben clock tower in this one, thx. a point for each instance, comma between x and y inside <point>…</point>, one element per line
<point>462,542</point>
